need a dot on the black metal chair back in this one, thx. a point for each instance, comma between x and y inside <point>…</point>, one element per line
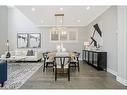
<point>76,62</point>
<point>62,61</point>
<point>46,64</point>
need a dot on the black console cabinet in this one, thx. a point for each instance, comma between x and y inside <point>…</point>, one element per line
<point>97,59</point>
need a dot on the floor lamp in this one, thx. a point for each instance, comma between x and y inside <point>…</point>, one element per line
<point>8,53</point>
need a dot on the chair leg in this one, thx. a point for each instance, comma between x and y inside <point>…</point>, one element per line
<point>55,74</point>
<point>2,84</point>
<point>46,64</point>
<point>75,66</point>
<point>68,74</point>
<point>44,67</point>
<point>53,69</point>
<point>78,67</point>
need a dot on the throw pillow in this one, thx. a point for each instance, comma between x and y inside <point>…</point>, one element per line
<point>50,56</point>
<point>73,56</point>
<point>30,53</point>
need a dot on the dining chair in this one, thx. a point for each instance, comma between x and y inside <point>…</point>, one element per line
<point>75,60</point>
<point>48,60</point>
<point>62,66</point>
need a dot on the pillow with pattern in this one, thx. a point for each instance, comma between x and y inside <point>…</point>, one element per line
<point>30,53</point>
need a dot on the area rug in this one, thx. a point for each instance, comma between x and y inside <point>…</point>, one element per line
<point>19,73</point>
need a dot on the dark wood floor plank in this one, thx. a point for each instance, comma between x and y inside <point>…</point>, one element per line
<point>87,78</point>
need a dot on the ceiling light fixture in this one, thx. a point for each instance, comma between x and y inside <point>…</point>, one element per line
<point>78,21</point>
<point>88,8</point>
<point>61,9</point>
<point>59,23</point>
<point>33,9</point>
<point>42,21</point>
<point>59,28</point>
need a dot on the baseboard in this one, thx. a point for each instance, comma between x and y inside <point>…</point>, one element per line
<point>112,71</point>
<point>121,80</point>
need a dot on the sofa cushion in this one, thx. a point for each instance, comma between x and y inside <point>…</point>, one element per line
<point>18,53</point>
<point>31,58</point>
<point>21,55</point>
<point>51,56</point>
<point>73,56</point>
<point>3,56</point>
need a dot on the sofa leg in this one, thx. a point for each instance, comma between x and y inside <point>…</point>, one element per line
<point>2,84</point>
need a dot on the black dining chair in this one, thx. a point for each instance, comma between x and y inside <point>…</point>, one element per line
<point>48,61</point>
<point>62,66</point>
<point>75,60</point>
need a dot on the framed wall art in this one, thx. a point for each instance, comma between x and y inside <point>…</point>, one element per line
<point>22,40</point>
<point>35,40</point>
<point>28,40</point>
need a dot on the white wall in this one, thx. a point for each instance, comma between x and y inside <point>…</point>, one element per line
<point>108,25</point>
<point>122,45</point>
<point>3,28</point>
<point>75,46</point>
<point>18,23</point>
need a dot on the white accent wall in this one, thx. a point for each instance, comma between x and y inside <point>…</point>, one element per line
<point>122,45</point>
<point>108,25</point>
<point>19,23</point>
<point>71,46</point>
<point>3,28</point>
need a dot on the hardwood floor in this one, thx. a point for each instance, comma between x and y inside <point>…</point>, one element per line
<point>87,78</point>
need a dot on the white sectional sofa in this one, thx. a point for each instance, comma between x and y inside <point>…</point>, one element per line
<point>21,55</point>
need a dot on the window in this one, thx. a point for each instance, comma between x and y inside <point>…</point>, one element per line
<point>63,37</point>
<point>71,35</point>
<point>54,37</point>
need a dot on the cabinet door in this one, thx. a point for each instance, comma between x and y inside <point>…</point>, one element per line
<point>83,55</point>
<point>102,63</point>
<point>90,57</point>
<point>87,56</point>
<point>95,59</point>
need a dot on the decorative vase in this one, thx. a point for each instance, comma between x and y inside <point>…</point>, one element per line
<point>8,55</point>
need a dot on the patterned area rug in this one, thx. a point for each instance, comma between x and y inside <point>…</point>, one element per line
<point>19,73</point>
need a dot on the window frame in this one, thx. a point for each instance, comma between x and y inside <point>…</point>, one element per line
<point>68,39</point>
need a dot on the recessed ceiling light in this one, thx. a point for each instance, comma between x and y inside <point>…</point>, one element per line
<point>78,21</point>
<point>61,9</point>
<point>42,21</point>
<point>88,7</point>
<point>33,9</point>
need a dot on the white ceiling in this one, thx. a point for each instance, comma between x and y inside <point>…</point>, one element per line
<point>73,15</point>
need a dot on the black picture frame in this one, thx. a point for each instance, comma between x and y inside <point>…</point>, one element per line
<point>28,40</point>
<point>34,40</point>
<point>22,40</point>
